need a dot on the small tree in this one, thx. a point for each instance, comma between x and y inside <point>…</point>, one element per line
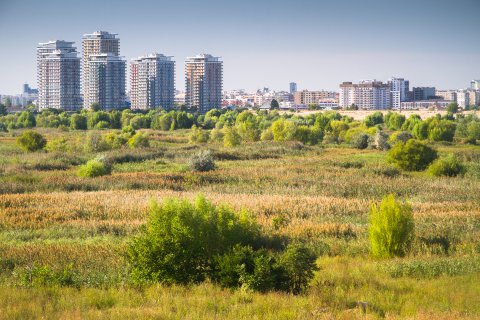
<point>299,264</point>
<point>452,107</point>
<point>360,141</point>
<point>139,140</point>
<point>95,107</point>
<point>412,155</point>
<point>78,122</point>
<point>274,104</point>
<point>449,166</point>
<point>202,161</point>
<point>31,141</point>
<point>231,138</point>
<point>95,168</point>
<point>391,228</point>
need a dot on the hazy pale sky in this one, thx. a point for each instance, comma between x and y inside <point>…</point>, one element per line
<point>263,43</point>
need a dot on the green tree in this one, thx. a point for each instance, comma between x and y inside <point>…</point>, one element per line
<point>231,138</point>
<point>274,104</point>
<point>373,119</point>
<point>31,141</point>
<point>391,228</point>
<point>181,240</point>
<point>139,140</point>
<point>412,155</point>
<point>3,109</point>
<point>95,107</point>
<point>449,166</point>
<point>299,264</point>
<point>26,120</point>
<point>78,122</point>
<point>283,130</point>
<point>452,107</point>
<point>441,130</point>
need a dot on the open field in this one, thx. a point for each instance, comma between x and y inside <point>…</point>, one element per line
<point>54,222</point>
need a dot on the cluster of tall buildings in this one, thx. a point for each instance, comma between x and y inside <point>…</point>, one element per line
<point>68,83</point>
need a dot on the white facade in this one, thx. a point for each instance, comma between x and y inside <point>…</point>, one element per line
<point>58,76</point>
<point>463,98</point>
<point>367,94</point>
<point>203,82</point>
<point>475,84</point>
<point>399,88</point>
<point>96,43</point>
<point>106,84</point>
<point>152,80</point>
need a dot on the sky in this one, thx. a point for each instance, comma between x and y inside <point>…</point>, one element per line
<point>316,43</point>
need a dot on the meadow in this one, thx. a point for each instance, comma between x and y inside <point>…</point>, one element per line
<point>63,237</point>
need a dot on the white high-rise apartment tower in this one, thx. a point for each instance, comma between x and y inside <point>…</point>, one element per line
<point>96,43</point>
<point>106,84</point>
<point>58,76</point>
<point>399,88</point>
<point>367,94</point>
<point>152,80</point>
<point>203,81</point>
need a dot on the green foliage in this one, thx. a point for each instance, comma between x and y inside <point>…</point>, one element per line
<point>449,166</point>
<point>391,228</point>
<point>412,155</point>
<point>283,130</point>
<point>373,119</point>
<point>441,130</point>
<point>202,161</point>
<point>95,107</point>
<point>3,109</point>
<point>78,122</point>
<point>199,135</point>
<point>95,142</point>
<point>26,120</point>
<point>395,121</point>
<point>274,104</point>
<point>39,276</point>
<point>31,141</point>
<point>400,136</point>
<point>452,107</point>
<point>360,141</point>
<point>139,140</point>
<point>231,138</point>
<point>299,264</point>
<point>95,168</point>
<point>182,239</point>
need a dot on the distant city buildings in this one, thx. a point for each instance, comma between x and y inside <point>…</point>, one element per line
<point>95,45</point>
<point>423,93</point>
<point>306,97</point>
<point>58,76</point>
<point>450,95</point>
<point>367,94</point>
<point>293,87</point>
<point>106,81</point>
<point>475,84</point>
<point>152,81</point>
<point>399,91</point>
<point>203,82</point>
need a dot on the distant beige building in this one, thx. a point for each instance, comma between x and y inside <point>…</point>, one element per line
<point>450,95</point>
<point>312,97</point>
<point>474,97</point>
<point>367,94</point>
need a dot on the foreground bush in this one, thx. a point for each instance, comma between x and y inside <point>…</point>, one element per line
<point>182,239</point>
<point>391,228</point>
<point>139,140</point>
<point>95,168</point>
<point>31,141</point>
<point>186,243</point>
<point>412,155</point>
<point>449,166</point>
<point>202,161</point>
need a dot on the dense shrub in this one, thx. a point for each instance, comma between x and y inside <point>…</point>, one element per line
<point>391,228</point>
<point>95,168</point>
<point>199,135</point>
<point>449,166</point>
<point>78,122</point>
<point>139,140</point>
<point>202,161</point>
<point>299,264</point>
<point>231,138</point>
<point>412,155</point>
<point>182,239</point>
<point>360,141</point>
<point>31,141</point>
<point>400,136</point>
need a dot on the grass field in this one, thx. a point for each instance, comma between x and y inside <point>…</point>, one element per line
<point>56,225</point>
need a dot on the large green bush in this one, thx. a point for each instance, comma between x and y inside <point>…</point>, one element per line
<point>182,239</point>
<point>449,166</point>
<point>95,168</point>
<point>412,155</point>
<point>391,228</point>
<point>31,141</point>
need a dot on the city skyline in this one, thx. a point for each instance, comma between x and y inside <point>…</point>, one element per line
<point>263,44</point>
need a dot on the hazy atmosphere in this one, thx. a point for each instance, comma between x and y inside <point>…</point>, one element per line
<point>262,43</point>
